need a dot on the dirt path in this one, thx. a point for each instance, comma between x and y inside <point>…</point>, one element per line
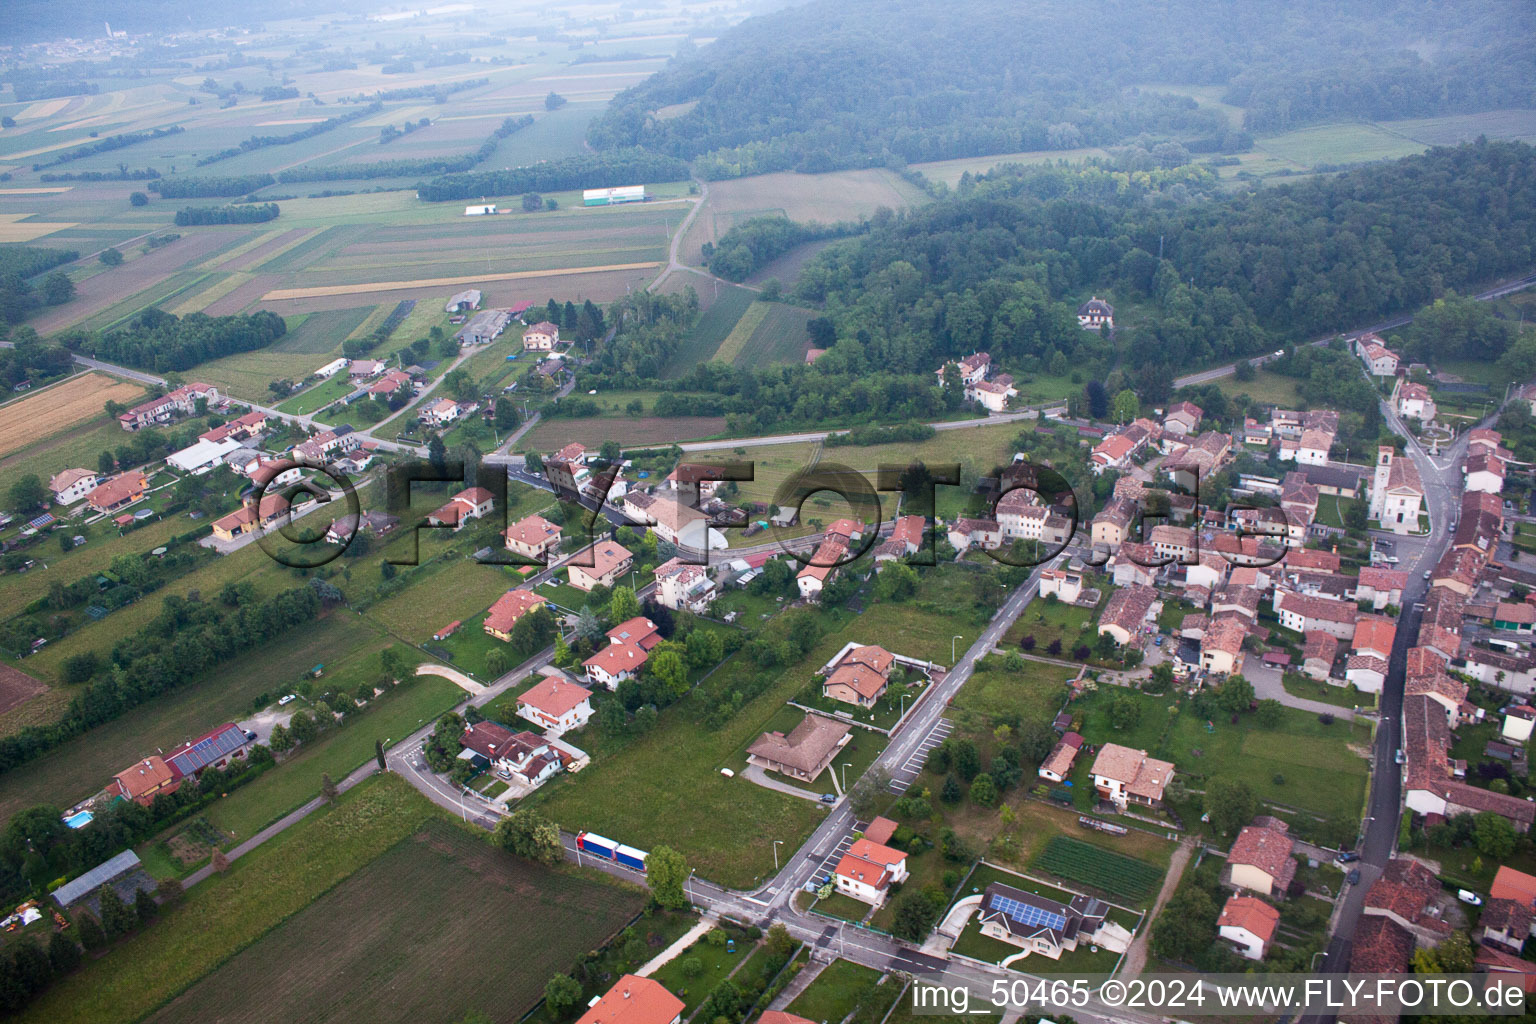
<point>1136,957</point>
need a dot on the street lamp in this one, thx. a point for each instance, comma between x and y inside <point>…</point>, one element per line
<point>687,890</point>
<point>776,844</point>
<point>952,648</point>
<point>1312,965</point>
<point>845,775</point>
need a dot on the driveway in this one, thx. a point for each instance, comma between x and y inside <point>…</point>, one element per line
<point>1268,684</point>
<point>756,774</point>
<point>453,675</point>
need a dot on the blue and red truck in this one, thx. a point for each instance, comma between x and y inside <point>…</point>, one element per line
<point>599,846</point>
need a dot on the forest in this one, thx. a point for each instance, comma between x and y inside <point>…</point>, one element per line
<point>869,82</point>
<point>203,188</point>
<point>18,263</point>
<point>590,170</point>
<point>248,213</point>
<point>157,340</point>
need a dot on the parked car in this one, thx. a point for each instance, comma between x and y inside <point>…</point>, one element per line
<point>829,798</point>
<point>1346,857</point>
<point>1469,897</point>
<point>285,700</point>
<point>1353,877</point>
<point>1400,757</point>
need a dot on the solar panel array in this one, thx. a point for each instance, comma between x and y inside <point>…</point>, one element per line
<point>1026,913</point>
<point>208,750</point>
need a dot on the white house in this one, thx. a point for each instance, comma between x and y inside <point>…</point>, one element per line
<point>1065,584</point>
<point>615,663</point>
<point>1379,360</point>
<point>1517,723</point>
<point>479,209</point>
<point>680,587</point>
<point>72,485</point>
<point>541,337</point>
<point>1366,672</point>
<point>1095,313</point>
<point>1125,776</point>
<point>868,870</point>
<point>441,412</point>
<point>1249,924</point>
<point>556,705</point>
<point>1484,472</point>
<point>1414,402</point>
<point>992,395</point>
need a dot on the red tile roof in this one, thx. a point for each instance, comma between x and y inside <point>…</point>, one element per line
<point>1252,914</point>
<point>554,697</point>
<point>634,1000</point>
<point>1268,848</point>
<point>510,607</point>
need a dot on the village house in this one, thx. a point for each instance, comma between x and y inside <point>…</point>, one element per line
<point>1058,764</point>
<point>811,579</point>
<point>1483,471</point>
<point>966,533</point>
<point>115,492</point>
<point>1381,587</point>
<point>1249,924</point>
<point>1182,418</point>
<point>1066,584</point>
<point>1408,894</point>
<point>1318,653</point>
<point>637,507</point>
<point>1414,402</point>
<point>972,369</point>
<point>859,676</point>
<point>1431,784</point>
<point>1381,946</point>
<point>470,503</point>
<point>1123,776</point>
<point>1514,673</point>
<point>1044,926</point>
<point>182,401</point>
<point>1112,525</point>
<point>635,1000</point>
<point>905,539</point>
<point>1365,672</point>
<point>524,756</point>
<point>1200,459</point>
<point>1221,648</point>
<point>555,704</point>
<point>362,369</point>
<point>251,517</point>
<point>806,752</point>
<point>1176,544</point>
<point>541,337</point>
<point>610,560</point>
<point>215,749</point>
<point>1304,613</point>
<point>1114,452</point>
<point>534,538</point>
<point>1134,565</point>
<point>868,870</point>
<point>1505,924</point>
<point>992,395</point>
<point>1128,609</point>
<point>615,663</point>
<point>510,607</point>
<point>241,428</point>
<point>1379,360</point>
<point>1516,617</point>
<point>1374,635</point>
<point>679,523</point>
<point>683,587</point>
<point>441,412</point>
<point>392,381</point>
<point>72,485</point>
<point>1096,313</point>
<point>1260,859</point>
<point>326,445</point>
<point>146,780</point>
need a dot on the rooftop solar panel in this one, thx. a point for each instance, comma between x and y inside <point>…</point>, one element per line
<point>1029,914</point>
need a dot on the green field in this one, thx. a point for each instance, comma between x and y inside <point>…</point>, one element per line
<point>402,938</point>
<point>714,326</point>
<point>321,333</point>
<point>835,992</point>
<point>769,332</point>
<point>278,879</point>
<point>1266,386</point>
<point>1119,877</point>
<point>85,764</point>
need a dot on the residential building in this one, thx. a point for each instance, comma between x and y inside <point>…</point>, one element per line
<point>183,401</point>
<point>1374,635</point>
<point>524,756</point>
<point>1235,600</point>
<point>1381,587</point>
<point>1182,418</point>
<point>326,445</point>
<point>1509,884</point>
<point>905,539</point>
<point>1128,609</point>
<point>1114,452</point>
<point>1397,494</point>
<point>251,517</point>
<point>1305,613</point>
<point>609,561</point>
<point>72,485</point>
<point>441,412</point>
<point>615,663</point>
<point>1221,648</point>
<point>1483,471</point>
<point>640,631</point>
<point>241,428</point>
<point>1414,402</point>
<point>966,533</point>
<point>541,337</point>
<point>533,537</point>
<point>1124,775</point>
<point>1249,924</point>
<point>1505,923</point>
<point>684,587</point>
<point>1381,946</point>
<point>805,752</point>
<point>677,522</point>
<point>1318,653</point>
<point>860,676</point>
<point>972,369</point>
<point>1096,313</point>
<point>1199,459</point>
<point>1514,617</point>
<point>1045,926</point>
<point>868,870</point>
<point>146,780</point>
<point>1066,584</point>
<point>635,1000</point>
<point>824,563</point>
<point>1518,721</point>
<point>1261,858</point>
<point>1408,894</point>
<point>215,749</point>
<point>1431,785</point>
<point>1379,360</point>
<point>1058,764</point>
<point>470,503</point>
<point>392,381</point>
<point>992,395</point>
<point>1134,565</point>
<point>1113,523</point>
<point>1177,544</point>
<point>113,493</point>
<point>510,607</point>
<point>637,507</point>
<point>553,703</point>
<point>1365,672</point>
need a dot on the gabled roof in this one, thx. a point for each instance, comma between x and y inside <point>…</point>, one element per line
<point>1372,632</point>
<point>618,658</point>
<point>195,755</point>
<point>554,696</point>
<point>634,1000</point>
<point>510,607</point>
<point>640,631</point>
<point>532,531</point>
<point>1139,774</point>
<point>1128,606</point>
<point>1381,946</point>
<point>1252,915</point>
<point>1267,847</point>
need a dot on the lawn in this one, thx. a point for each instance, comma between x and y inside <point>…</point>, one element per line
<point>394,716</point>
<point>1085,959</point>
<point>714,963</point>
<point>1266,386</point>
<point>993,693</point>
<point>449,891</point>
<point>1298,685</point>
<point>1333,510</point>
<point>1048,622</point>
<point>1338,144</point>
<point>835,992</point>
<point>769,332</point>
<point>278,879</point>
<point>435,594</point>
<point>83,765</point>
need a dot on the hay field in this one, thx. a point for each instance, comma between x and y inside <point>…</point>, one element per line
<point>827,198</point>
<point>364,288</point>
<point>769,332</point>
<point>57,408</point>
<point>14,229</point>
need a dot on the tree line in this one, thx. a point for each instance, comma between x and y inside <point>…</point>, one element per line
<point>747,246</point>
<point>589,170</point>
<point>160,341</point>
<point>108,144</point>
<point>20,263</point>
<point>186,639</point>
<point>207,187</point>
<point>121,174</point>
<point>263,141</point>
<point>242,213</point>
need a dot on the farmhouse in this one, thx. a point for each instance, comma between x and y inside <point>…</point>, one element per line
<point>71,485</point>
<point>1221,648</point>
<point>806,752</point>
<point>868,870</point>
<point>982,533</point>
<point>1379,360</point>
<point>992,395</point>
<point>1125,776</point>
<point>533,537</point>
<point>556,704</point>
<point>541,337</point>
<point>683,587</point>
<point>215,749</point>
<point>484,327</point>
<point>1413,402</point>
<point>1095,313</point>
<point>146,780</point>
<point>117,491</point>
<point>610,560</point>
<point>1408,894</point>
<point>1041,925</point>
<point>1182,418</point>
<point>391,382</point>
<point>464,301</point>
<point>635,1000</point>
<point>860,676</point>
<point>1260,859</point>
<point>181,402</point>
<point>470,503</point>
<point>510,607</point>
<point>1249,924</point>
